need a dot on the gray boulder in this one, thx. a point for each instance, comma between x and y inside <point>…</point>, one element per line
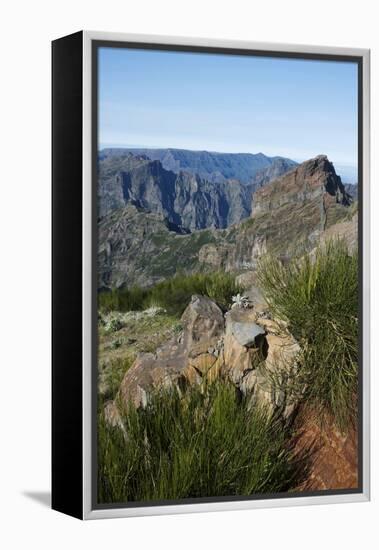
<point>246,333</point>
<point>202,320</point>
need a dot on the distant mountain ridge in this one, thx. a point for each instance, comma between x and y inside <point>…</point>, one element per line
<point>212,166</point>
<point>183,198</point>
<point>277,168</point>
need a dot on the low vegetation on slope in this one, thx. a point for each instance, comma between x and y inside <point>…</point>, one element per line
<point>122,336</point>
<point>173,294</point>
<point>318,296</point>
<point>207,442</point>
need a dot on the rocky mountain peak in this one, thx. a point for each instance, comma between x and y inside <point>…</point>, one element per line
<point>311,179</point>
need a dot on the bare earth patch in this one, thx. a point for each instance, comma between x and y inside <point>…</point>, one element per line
<point>333,462</point>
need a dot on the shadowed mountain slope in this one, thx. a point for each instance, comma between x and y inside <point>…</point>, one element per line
<point>184,199</point>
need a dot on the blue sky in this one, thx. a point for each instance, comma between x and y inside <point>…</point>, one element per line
<point>287,107</point>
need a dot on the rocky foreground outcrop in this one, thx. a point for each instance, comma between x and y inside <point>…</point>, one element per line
<point>259,356</point>
<point>256,353</point>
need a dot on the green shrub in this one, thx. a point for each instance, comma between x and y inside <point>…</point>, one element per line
<point>122,299</point>
<point>221,287</point>
<point>108,300</point>
<point>318,296</point>
<point>173,294</point>
<point>207,443</point>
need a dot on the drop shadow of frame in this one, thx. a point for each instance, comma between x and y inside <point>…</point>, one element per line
<point>41,497</point>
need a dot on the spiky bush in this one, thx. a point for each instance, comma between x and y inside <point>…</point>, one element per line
<point>318,296</point>
<point>207,443</point>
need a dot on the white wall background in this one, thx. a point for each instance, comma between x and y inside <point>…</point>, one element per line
<point>27,27</point>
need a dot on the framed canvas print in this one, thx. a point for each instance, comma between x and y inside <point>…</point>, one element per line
<point>210,275</point>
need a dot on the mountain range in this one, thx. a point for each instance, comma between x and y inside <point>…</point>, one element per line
<point>291,213</point>
<point>214,167</point>
<point>192,190</point>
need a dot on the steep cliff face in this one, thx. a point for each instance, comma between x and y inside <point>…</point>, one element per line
<point>184,198</point>
<point>290,216</point>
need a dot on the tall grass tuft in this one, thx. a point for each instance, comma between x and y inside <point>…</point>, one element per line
<point>318,297</point>
<point>207,443</point>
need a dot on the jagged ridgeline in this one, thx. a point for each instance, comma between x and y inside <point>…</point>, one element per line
<point>194,190</point>
<point>214,167</point>
<point>152,218</point>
